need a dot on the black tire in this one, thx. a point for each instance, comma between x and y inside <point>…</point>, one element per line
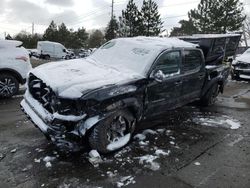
<point>210,97</point>
<point>9,85</point>
<point>100,137</point>
<point>46,57</point>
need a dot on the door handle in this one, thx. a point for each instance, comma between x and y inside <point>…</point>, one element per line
<point>178,82</point>
<point>201,76</point>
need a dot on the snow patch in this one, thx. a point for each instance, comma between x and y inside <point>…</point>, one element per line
<point>149,131</point>
<point>126,180</point>
<point>149,160</point>
<point>13,151</point>
<point>197,163</point>
<point>159,152</point>
<point>48,160</point>
<point>140,137</point>
<point>224,121</point>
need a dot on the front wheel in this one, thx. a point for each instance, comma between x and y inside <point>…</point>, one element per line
<point>9,85</point>
<point>210,97</point>
<point>112,133</point>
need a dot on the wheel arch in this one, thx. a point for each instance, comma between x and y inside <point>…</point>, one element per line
<point>130,104</point>
<point>13,73</point>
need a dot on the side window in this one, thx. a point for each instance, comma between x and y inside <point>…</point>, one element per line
<point>192,60</point>
<point>169,62</point>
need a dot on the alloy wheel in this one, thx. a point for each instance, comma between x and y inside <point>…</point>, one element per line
<point>7,87</point>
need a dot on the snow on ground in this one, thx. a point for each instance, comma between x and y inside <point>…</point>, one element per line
<point>159,152</point>
<point>148,161</point>
<point>140,137</point>
<point>124,181</point>
<point>48,160</point>
<point>197,163</point>
<point>213,121</point>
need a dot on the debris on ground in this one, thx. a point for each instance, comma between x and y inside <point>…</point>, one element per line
<point>13,151</point>
<point>1,156</point>
<point>94,158</point>
<point>124,181</point>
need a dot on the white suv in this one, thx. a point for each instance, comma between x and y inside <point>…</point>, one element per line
<point>14,67</point>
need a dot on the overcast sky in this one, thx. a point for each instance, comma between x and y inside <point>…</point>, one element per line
<point>17,15</point>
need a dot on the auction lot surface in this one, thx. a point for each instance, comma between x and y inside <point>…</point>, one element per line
<point>190,147</point>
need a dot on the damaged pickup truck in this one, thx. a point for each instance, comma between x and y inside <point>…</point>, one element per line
<point>100,99</point>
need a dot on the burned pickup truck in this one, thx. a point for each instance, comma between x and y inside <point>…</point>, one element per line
<point>100,99</point>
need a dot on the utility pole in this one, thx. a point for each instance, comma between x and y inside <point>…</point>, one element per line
<point>33,27</point>
<point>112,10</point>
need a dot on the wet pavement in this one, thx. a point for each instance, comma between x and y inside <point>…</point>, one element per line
<point>189,147</point>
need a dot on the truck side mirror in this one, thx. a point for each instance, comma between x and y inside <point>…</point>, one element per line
<point>157,75</point>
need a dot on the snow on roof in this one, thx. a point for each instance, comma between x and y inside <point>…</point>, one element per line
<point>198,36</point>
<point>162,42</point>
<point>10,43</point>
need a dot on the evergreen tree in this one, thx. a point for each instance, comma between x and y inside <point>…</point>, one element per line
<point>122,28</point>
<point>132,19</point>
<point>96,39</point>
<point>29,41</point>
<point>82,36</point>
<point>51,32</point>
<point>227,16</point>
<point>218,16</point>
<point>201,16</point>
<point>151,20</point>
<point>112,29</point>
<point>63,35</point>
<point>8,37</point>
<point>186,28</point>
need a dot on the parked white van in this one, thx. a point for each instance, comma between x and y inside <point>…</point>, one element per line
<point>48,49</point>
<point>14,67</point>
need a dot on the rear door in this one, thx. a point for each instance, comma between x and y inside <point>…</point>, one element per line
<point>193,71</point>
<point>163,95</point>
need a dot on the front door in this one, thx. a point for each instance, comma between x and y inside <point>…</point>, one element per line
<point>162,95</point>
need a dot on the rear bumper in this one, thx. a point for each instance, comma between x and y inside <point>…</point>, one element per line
<point>50,126</point>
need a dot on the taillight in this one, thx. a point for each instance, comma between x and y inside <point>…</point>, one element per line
<point>22,58</point>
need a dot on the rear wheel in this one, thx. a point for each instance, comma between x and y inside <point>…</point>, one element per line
<point>210,97</point>
<point>112,133</point>
<point>9,85</point>
<point>46,57</point>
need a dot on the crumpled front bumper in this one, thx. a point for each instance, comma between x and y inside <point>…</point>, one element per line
<point>48,124</point>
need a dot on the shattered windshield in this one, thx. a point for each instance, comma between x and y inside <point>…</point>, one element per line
<point>126,55</point>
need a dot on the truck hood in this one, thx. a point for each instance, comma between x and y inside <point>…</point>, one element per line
<point>73,78</point>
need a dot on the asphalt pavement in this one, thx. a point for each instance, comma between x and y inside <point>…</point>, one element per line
<point>188,147</point>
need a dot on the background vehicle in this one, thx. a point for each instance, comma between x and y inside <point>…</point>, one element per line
<point>14,67</point>
<point>33,53</point>
<point>125,81</point>
<point>84,53</point>
<point>47,50</point>
<point>241,66</point>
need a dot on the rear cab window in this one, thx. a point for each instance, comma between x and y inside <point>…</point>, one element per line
<point>192,60</point>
